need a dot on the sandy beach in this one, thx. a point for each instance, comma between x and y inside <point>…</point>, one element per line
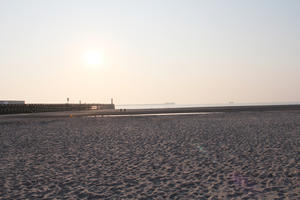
<point>240,155</point>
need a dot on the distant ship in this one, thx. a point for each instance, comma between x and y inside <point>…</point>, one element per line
<point>169,103</point>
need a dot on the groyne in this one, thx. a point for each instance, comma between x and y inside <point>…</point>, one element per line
<point>35,108</point>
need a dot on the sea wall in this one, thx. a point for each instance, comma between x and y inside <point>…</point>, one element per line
<point>32,108</point>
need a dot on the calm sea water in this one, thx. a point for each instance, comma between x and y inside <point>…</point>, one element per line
<point>147,106</point>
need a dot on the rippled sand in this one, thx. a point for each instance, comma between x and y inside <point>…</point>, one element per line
<point>252,155</point>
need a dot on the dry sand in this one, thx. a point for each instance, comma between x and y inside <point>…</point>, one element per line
<point>247,155</point>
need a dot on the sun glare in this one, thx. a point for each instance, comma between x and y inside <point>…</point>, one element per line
<point>93,58</point>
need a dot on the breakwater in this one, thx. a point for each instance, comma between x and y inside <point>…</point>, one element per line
<point>34,108</point>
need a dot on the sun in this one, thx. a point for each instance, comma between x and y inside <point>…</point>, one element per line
<point>93,58</point>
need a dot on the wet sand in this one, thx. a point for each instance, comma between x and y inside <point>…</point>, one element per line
<point>240,155</point>
<point>156,111</point>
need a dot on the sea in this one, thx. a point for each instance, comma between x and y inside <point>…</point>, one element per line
<point>174,105</point>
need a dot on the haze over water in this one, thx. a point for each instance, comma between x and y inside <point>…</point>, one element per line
<point>141,52</point>
<point>166,105</point>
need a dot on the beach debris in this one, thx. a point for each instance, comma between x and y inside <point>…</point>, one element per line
<point>201,149</point>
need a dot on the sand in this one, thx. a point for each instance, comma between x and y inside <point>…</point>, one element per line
<point>242,155</point>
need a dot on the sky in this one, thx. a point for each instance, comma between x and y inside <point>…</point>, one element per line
<point>150,51</point>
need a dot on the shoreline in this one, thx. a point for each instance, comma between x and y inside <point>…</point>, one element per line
<point>156,111</point>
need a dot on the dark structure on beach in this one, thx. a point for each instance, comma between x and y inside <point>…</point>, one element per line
<point>33,108</point>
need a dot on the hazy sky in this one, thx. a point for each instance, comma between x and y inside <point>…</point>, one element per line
<point>151,51</point>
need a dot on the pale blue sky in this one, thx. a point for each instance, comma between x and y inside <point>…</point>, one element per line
<point>183,51</point>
